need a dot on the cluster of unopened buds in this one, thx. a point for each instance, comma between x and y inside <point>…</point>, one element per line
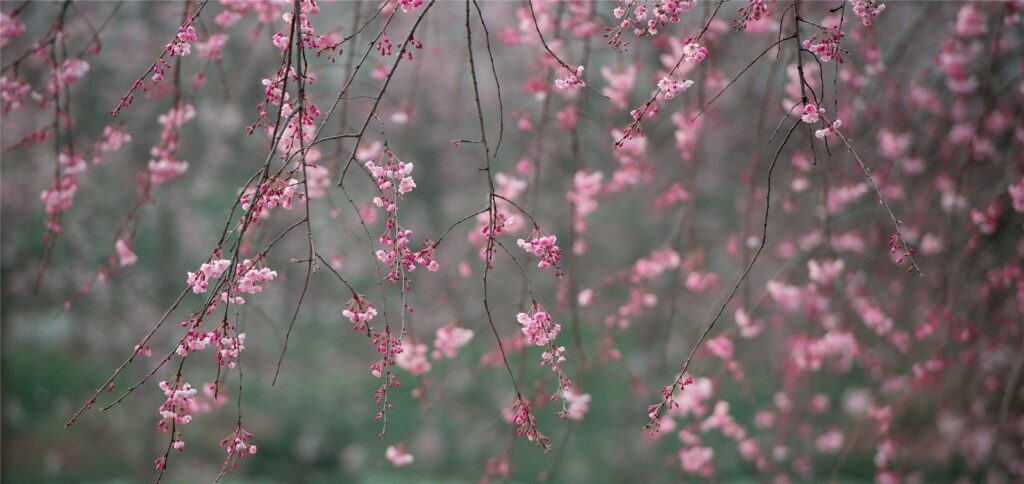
<point>572,81</point>
<point>238,446</point>
<point>543,245</point>
<point>389,348</point>
<point>896,245</point>
<point>668,402</point>
<point>526,423</point>
<point>672,87</point>
<point>359,311</point>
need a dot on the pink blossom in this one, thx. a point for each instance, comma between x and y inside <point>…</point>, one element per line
<point>413,359</point>
<point>721,347</point>
<point>812,114</point>
<point>825,271</point>
<point>573,81</point>
<point>970,22</point>
<point>125,255</point>
<point>11,27</point>
<point>538,328</point>
<point>585,297</point>
<point>213,46</point>
<point>830,442</point>
<point>672,87</point>
<point>213,269</point>
<point>398,456</point>
<point>543,246</point>
<point>359,312</point>
<point>177,406</point>
<point>867,10</point>
<point>825,44</point>
<point>828,130</point>
<point>448,339</point>
<point>579,404</point>
<point>1017,195</point>
<point>697,460</point>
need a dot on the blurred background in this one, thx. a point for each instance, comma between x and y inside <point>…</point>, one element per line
<point>62,340</point>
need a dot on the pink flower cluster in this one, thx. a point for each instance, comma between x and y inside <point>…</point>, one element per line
<point>825,44</point>
<point>394,178</point>
<point>573,80</point>
<point>812,113</point>
<point>448,339</point>
<point>163,163</point>
<point>647,22</point>
<point>541,331</point>
<point>11,27</point>
<point>398,456</point>
<point>213,269</point>
<point>693,52</point>
<point>69,72</point>
<point>359,312</point>
<point>180,44</point>
<point>538,327</point>
<point>867,10</point>
<point>228,349</point>
<point>397,253</point>
<point>583,196</point>
<point>273,193</point>
<point>413,358</point>
<point>195,340</point>
<point>248,280</point>
<point>543,246</point>
<point>14,91</point>
<point>579,404</point>
<point>672,87</point>
<point>178,406</point>
<point>58,199</point>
